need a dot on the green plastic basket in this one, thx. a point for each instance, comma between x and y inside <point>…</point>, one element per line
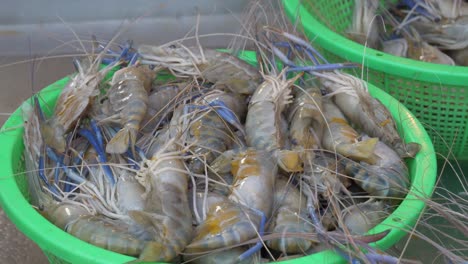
<point>436,94</point>
<point>61,247</point>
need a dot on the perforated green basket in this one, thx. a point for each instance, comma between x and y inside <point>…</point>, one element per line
<point>60,247</point>
<point>436,94</point>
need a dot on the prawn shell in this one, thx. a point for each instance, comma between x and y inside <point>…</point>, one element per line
<point>290,216</point>
<point>226,224</point>
<point>106,234</point>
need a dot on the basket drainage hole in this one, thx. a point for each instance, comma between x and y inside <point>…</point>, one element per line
<point>396,219</point>
<point>379,54</point>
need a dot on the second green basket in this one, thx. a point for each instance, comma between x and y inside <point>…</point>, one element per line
<point>436,94</point>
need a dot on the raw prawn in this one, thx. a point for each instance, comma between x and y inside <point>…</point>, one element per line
<point>128,99</point>
<point>352,97</point>
<point>210,132</point>
<point>264,122</point>
<point>220,68</point>
<point>306,119</point>
<point>290,216</point>
<point>239,219</point>
<point>342,137</point>
<point>73,101</point>
<point>388,177</point>
<point>166,213</point>
<point>360,218</point>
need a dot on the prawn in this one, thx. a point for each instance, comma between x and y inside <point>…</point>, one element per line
<point>344,138</point>
<point>160,100</point>
<point>264,122</point>
<point>209,131</point>
<point>289,217</point>
<point>166,212</point>
<point>72,216</point>
<point>128,99</point>
<point>307,123</point>
<point>352,97</point>
<point>362,29</point>
<point>222,69</point>
<point>220,171</point>
<point>325,174</point>
<point>74,100</point>
<point>360,218</point>
<point>238,219</point>
<point>103,232</point>
<point>388,177</point>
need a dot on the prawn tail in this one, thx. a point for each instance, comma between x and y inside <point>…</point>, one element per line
<point>121,141</point>
<point>408,150</point>
<point>362,151</point>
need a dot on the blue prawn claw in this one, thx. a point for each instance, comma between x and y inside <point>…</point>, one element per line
<point>319,62</point>
<point>44,177</point>
<point>132,158</point>
<point>421,8</point>
<point>380,258</point>
<point>126,54</point>
<point>311,52</point>
<point>70,173</point>
<point>98,133</point>
<point>100,151</point>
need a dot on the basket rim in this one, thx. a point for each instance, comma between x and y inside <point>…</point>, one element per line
<point>71,249</point>
<point>374,59</point>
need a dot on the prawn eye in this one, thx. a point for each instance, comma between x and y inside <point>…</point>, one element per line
<point>173,46</point>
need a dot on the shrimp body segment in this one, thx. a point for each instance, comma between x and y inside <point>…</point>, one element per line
<point>265,122</point>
